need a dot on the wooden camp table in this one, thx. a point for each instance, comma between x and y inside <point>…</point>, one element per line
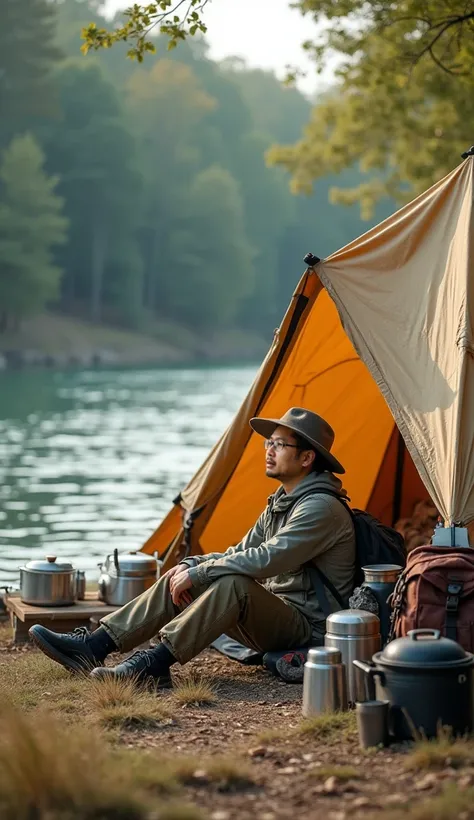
<point>57,618</point>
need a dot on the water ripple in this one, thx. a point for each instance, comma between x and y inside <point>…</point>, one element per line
<point>92,460</point>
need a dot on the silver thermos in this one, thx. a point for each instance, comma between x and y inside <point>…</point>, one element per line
<point>356,633</point>
<point>324,682</point>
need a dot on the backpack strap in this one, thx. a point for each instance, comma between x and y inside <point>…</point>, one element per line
<point>319,580</point>
<point>452,604</point>
<point>320,583</point>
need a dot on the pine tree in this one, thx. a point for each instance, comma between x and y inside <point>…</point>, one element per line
<point>28,56</point>
<point>31,224</point>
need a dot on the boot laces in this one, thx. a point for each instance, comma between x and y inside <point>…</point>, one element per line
<point>138,657</point>
<point>81,633</point>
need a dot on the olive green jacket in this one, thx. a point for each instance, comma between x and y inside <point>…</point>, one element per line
<point>288,535</point>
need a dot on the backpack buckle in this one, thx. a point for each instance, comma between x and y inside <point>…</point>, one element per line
<point>452,600</point>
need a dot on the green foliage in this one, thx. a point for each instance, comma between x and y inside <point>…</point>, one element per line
<point>173,213</point>
<point>31,224</point>
<point>403,106</point>
<point>28,56</point>
<point>211,259</point>
<point>176,19</point>
<point>92,152</point>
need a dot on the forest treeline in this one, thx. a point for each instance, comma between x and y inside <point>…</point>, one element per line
<point>132,192</point>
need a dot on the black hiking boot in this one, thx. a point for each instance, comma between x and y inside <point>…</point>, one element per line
<point>141,668</point>
<point>70,649</point>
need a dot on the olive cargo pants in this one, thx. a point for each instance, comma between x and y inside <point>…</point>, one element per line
<point>234,604</point>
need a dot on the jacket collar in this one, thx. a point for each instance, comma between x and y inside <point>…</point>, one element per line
<point>280,501</point>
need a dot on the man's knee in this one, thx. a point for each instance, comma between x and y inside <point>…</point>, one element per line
<point>241,583</point>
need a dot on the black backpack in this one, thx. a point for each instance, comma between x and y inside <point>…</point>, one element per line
<point>376,543</point>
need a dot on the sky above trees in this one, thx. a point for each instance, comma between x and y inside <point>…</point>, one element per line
<point>272,41</point>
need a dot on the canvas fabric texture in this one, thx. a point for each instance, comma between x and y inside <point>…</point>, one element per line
<point>405,294</point>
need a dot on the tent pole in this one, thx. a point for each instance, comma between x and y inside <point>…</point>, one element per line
<point>398,483</point>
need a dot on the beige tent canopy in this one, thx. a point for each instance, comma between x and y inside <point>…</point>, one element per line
<point>404,293</point>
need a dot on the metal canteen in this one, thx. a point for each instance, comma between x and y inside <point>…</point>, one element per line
<point>381,580</point>
<point>124,577</point>
<point>46,582</point>
<point>356,633</point>
<point>324,682</point>
<point>428,682</point>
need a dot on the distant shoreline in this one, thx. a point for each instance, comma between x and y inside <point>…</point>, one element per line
<point>58,342</point>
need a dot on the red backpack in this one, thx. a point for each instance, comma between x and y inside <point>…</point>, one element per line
<point>436,591</point>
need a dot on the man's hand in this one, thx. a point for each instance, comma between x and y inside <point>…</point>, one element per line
<point>180,582</point>
<point>170,572</point>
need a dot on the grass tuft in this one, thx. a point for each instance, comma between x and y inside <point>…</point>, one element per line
<point>48,771</point>
<point>141,716</point>
<point>226,773</point>
<point>451,804</point>
<point>329,725</point>
<point>180,812</point>
<point>124,705</point>
<point>166,775</point>
<point>194,691</point>
<point>342,773</point>
<point>440,752</point>
<point>109,691</point>
<point>32,680</point>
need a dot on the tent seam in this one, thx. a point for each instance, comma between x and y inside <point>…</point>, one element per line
<point>374,370</point>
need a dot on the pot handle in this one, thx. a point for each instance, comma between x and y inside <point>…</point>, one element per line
<point>372,672</point>
<point>116,561</point>
<point>414,634</point>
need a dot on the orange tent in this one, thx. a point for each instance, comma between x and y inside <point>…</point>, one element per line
<point>312,363</point>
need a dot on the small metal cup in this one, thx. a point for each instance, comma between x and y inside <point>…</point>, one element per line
<point>372,723</point>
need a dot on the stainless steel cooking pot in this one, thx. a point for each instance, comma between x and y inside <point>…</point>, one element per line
<point>428,681</point>
<point>45,582</point>
<point>125,576</point>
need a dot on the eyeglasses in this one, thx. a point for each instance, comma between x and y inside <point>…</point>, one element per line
<point>278,444</point>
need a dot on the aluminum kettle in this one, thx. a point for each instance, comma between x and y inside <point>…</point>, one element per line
<point>125,576</point>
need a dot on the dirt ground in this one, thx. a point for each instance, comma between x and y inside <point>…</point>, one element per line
<point>257,719</point>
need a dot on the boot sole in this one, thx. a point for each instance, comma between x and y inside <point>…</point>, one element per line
<point>55,655</point>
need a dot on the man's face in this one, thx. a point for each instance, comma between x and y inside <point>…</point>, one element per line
<point>286,463</point>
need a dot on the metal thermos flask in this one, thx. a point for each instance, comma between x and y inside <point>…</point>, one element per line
<point>381,580</point>
<point>356,633</point>
<point>324,682</point>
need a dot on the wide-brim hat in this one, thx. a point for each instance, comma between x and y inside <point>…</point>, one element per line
<point>312,427</point>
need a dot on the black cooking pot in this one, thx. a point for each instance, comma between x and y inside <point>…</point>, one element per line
<point>428,682</point>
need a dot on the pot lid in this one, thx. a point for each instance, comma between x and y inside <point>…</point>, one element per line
<point>48,564</point>
<point>423,647</point>
<point>134,562</point>
<point>353,622</point>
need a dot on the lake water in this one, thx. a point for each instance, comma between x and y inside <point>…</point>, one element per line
<point>92,460</point>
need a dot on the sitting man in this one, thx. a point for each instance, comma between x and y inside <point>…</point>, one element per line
<point>259,592</point>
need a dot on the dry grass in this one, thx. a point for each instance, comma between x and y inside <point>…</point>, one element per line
<point>49,771</point>
<point>122,704</point>
<point>31,679</point>
<point>342,773</point>
<point>194,691</point>
<point>451,804</point>
<point>440,752</point>
<point>328,726</point>
<point>225,773</point>
<point>166,775</point>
